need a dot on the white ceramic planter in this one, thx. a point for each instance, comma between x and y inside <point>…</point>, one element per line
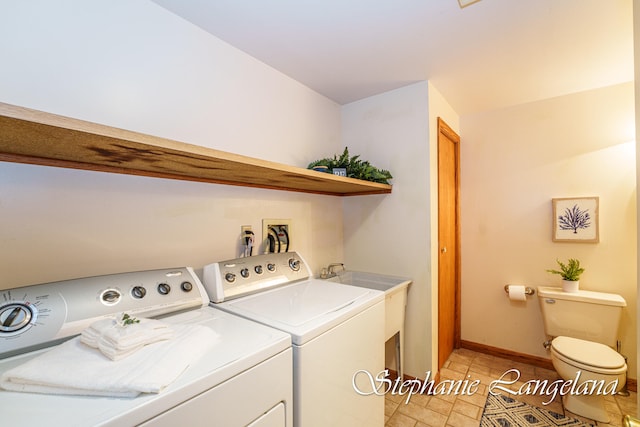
<point>570,285</point>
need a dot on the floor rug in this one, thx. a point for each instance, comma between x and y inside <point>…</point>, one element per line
<point>504,411</point>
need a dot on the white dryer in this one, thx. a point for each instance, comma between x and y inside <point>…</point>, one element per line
<point>242,379</point>
<point>337,331</point>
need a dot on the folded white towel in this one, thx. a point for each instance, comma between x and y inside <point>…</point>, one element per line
<point>117,341</point>
<point>92,334</point>
<point>73,368</point>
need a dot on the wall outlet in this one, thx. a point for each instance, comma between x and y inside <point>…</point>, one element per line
<point>276,235</point>
<point>247,240</point>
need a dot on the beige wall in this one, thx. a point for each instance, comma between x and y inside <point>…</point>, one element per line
<point>636,54</point>
<point>514,161</point>
<point>136,66</point>
<point>396,234</point>
<point>391,234</point>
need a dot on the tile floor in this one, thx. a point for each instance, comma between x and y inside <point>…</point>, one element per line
<point>466,410</point>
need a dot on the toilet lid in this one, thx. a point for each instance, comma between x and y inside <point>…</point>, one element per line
<point>588,352</point>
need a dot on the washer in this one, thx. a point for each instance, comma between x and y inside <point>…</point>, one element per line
<point>245,378</point>
<point>337,333</point>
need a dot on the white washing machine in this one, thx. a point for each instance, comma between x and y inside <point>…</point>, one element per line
<point>337,331</point>
<point>242,378</point>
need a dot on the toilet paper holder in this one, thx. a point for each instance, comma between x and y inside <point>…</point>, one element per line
<point>527,290</point>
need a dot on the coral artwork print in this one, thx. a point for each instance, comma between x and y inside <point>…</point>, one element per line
<point>575,220</point>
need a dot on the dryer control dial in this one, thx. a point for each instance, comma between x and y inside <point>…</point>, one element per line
<point>16,316</point>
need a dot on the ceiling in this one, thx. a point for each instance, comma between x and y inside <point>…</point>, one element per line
<point>488,55</point>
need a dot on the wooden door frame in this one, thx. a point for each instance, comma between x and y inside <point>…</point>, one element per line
<point>444,129</point>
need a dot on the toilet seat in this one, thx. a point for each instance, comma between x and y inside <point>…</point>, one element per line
<point>588,355</point>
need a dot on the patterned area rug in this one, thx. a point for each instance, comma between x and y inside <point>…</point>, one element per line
<point>504,411</point>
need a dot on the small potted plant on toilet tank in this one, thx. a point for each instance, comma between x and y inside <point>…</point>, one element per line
<point>570,273</point>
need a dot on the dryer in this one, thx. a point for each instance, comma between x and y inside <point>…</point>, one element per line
<point>244,378</point>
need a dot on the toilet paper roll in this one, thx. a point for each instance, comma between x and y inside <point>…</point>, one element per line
<point>517,293</point>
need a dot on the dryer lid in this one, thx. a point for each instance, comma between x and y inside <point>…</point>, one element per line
<point>588,352</point>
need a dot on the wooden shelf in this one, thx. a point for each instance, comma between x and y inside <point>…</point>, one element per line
<point>36,137</point>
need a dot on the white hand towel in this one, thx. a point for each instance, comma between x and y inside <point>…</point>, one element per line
<point>92,334</point>
<point>125,337</point>
<point>73,368</point>
<point>118,341</point>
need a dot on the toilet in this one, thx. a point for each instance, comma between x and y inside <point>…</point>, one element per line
<point>583,326</point>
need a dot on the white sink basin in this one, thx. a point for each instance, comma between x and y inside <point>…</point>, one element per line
<point>395,289</point>
<point>387,284</point>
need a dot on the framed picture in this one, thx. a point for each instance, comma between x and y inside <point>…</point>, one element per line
<point>576,220</point>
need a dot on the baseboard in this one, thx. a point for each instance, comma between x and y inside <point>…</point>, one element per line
<point>541,362</point>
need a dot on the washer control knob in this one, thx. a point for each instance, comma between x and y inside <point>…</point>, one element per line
<point>244,272</point>
<point>294,264</point>
<point>111,296</point>
<point>258,269</point>
<point>164,289</point>
<point>14,317</point>
<point>230,277</point>
<point>271,267</point>
<point>138,292</point>
<point>186,286</point>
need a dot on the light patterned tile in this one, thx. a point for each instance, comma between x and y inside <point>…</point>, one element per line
<point>394,397</point>
<point>581,418</point>
<point>628,404</point>
<point>446,373</point>
<point>477,399</point>
<point>425,415</point>
<point>460,358</point>
<point>453,410</point>
<point>390,406</point>
<point>459,420</point>
<point>459,367</point>
<point>615,420</point>
<point>419,399</point>
<point>440,405</point>
<point>467,409</point>
<point>612,407</point>
<point>401,420</point>
<point>479,368</point>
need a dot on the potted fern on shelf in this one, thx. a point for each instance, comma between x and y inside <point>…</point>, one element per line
<point>353,167</point>
<point>570,273</point>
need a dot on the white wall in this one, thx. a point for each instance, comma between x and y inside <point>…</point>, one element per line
<point>394,234</point>
<point>133,65</point>
<point>514,161</point>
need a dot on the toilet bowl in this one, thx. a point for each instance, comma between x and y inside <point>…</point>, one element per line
<point>594,370</point>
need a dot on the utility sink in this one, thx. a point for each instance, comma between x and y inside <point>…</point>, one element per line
<point>395,289</point>
<point>387,284</point>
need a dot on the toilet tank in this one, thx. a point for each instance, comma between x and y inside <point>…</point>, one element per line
<point>587,315</point>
